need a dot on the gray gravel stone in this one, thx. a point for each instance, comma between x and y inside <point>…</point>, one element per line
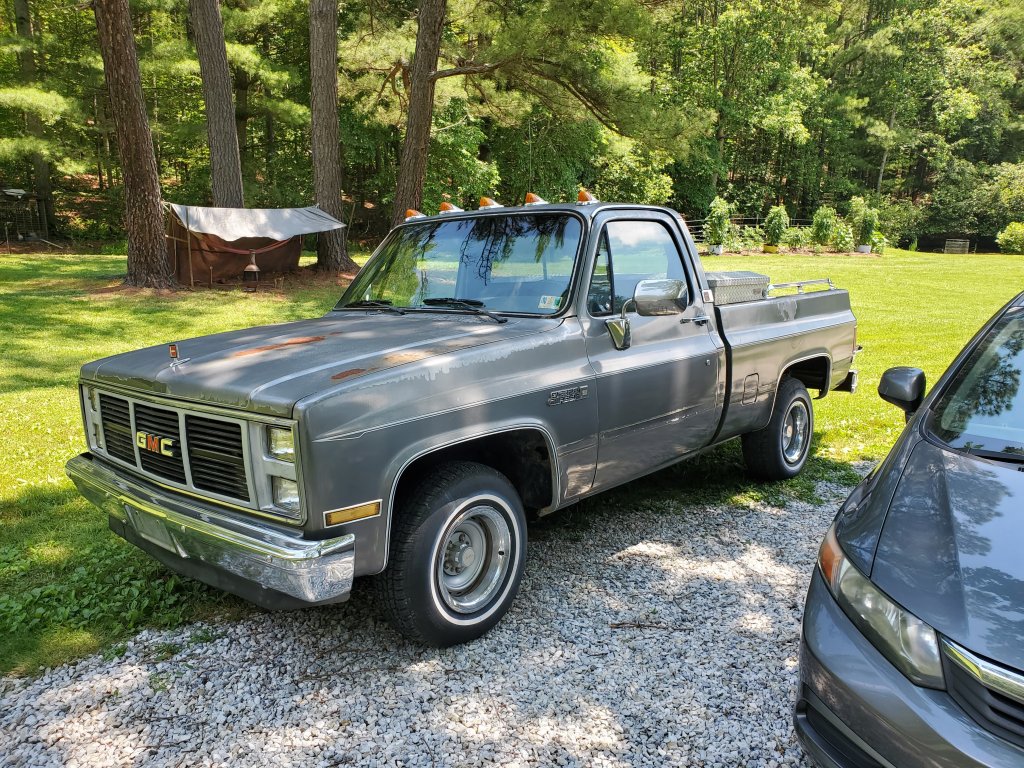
<point>657,633</point>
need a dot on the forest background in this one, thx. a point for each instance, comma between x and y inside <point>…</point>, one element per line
<point>913,104</point>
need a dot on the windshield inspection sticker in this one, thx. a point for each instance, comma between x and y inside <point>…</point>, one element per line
<point>550,302</point>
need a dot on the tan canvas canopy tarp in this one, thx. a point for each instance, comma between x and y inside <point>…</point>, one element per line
<point>215,243</point>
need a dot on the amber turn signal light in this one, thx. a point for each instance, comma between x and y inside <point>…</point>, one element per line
<point>348,514</point>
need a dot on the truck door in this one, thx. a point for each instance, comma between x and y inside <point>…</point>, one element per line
<point>657,398</point>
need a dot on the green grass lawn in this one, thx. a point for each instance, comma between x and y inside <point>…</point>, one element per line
<point>68,586</point>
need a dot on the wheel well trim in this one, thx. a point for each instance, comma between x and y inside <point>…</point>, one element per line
<point>556,490</point>
<point>804,359</point>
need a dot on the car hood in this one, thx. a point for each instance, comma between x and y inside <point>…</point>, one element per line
<point>950,550</point>
<point>270,368</point>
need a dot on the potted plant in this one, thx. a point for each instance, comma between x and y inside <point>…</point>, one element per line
<point>717,225</point>
<point>775,226</point>
<point>864,221</point>
<point>824,225</point>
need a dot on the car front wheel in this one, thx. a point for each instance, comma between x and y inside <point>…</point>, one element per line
<point>458,547</point>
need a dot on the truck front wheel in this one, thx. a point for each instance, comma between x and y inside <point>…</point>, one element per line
<point>458,547</point>
<point>780,450</point>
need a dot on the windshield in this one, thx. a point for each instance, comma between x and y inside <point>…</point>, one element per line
<point>519,263</point>
<point>982,410</point>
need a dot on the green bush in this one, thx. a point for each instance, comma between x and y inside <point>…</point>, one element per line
<point>775,225</point>
<point>843,240</point>
<point>797,237</point>
<point>879,242</point>
<point>824,225</point>
<point>718,225</point>
<point>1011,239</point>
<point>863,220</point>
<point>900,220</point>
<point>744,239</point>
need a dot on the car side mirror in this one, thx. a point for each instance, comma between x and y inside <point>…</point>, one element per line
<point>660,297</point>
<point>903,387</point>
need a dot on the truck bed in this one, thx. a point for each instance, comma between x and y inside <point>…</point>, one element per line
<point>811,334</point>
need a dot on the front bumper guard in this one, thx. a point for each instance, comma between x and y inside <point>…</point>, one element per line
<point>206,538</point>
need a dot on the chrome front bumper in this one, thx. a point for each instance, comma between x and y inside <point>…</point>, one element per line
<point>251,559</point>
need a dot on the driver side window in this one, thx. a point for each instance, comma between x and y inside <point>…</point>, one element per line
<point>628,252</point>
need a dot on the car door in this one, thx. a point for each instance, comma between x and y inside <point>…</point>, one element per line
<point>658,398</point>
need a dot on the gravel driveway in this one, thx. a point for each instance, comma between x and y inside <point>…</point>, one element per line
<point>651,633</point>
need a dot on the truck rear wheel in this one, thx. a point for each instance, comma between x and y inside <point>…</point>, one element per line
<point>780,450</point>
<point>457,552</point>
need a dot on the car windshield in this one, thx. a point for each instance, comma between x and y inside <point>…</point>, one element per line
<point>982,410</point>
<point>519,263</point>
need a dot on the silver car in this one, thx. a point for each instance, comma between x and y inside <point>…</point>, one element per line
<point>913,635</point>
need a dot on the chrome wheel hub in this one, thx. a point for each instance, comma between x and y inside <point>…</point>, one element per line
<point>795,432</point>
<point>473,559</point>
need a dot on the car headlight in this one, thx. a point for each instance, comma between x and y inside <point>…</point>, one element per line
<point>281,443</point>
<point>911,645</point>
<point>286,495</point>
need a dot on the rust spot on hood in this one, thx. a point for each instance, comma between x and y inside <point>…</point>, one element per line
<point>352,372</point>
<point>280,345</point>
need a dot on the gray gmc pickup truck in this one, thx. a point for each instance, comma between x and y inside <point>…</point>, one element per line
<point>482,367</point>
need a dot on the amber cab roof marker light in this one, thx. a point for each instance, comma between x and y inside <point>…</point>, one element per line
<point>585,198</point>
<point>534,199</point>
<point>488,202</point>
<point>412,213</point>
<point>447,207</point>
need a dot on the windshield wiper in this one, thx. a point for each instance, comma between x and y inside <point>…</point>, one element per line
<point>368,304</point>
<point>1010,457</point>
<point>469,305</point>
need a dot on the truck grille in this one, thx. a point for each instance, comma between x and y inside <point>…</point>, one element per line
<point>992,709</point>
<point>216,456</point>
<point>192,452</point>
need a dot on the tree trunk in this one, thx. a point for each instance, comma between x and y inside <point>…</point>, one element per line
<point>42,185</point>
<point>412,169</point>
<point>225,163</point>
<point>331,253</point>
<point>885,151</point>
<point>147,252</point>
<point>242,84</point>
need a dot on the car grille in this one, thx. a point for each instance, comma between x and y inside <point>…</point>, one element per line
<point>977,691</point>
<point>192,452</point>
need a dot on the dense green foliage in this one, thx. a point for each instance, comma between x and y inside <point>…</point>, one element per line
<point>1011,239</point>
<point>775,225</point>
<point>718,223</point>
<point>912,104</point>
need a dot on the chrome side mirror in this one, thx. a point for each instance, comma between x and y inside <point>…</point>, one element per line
<point>618,328</point>
<point>904,388</point>
<point>660,297</point>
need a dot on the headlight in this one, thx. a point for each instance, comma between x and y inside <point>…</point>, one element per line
<point>911,645</point>
<point>281,443</point>
<point>286,495</point>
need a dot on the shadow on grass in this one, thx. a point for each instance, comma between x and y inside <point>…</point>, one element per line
<point>53,324</point>
<point>68,585</point>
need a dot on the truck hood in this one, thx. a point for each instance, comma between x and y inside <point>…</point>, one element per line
<point>950,550</point>
<point>270,368</point>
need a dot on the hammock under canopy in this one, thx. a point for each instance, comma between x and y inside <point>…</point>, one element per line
<point>215,244</point>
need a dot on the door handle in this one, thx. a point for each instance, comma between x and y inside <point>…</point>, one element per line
<point>698,320</point>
